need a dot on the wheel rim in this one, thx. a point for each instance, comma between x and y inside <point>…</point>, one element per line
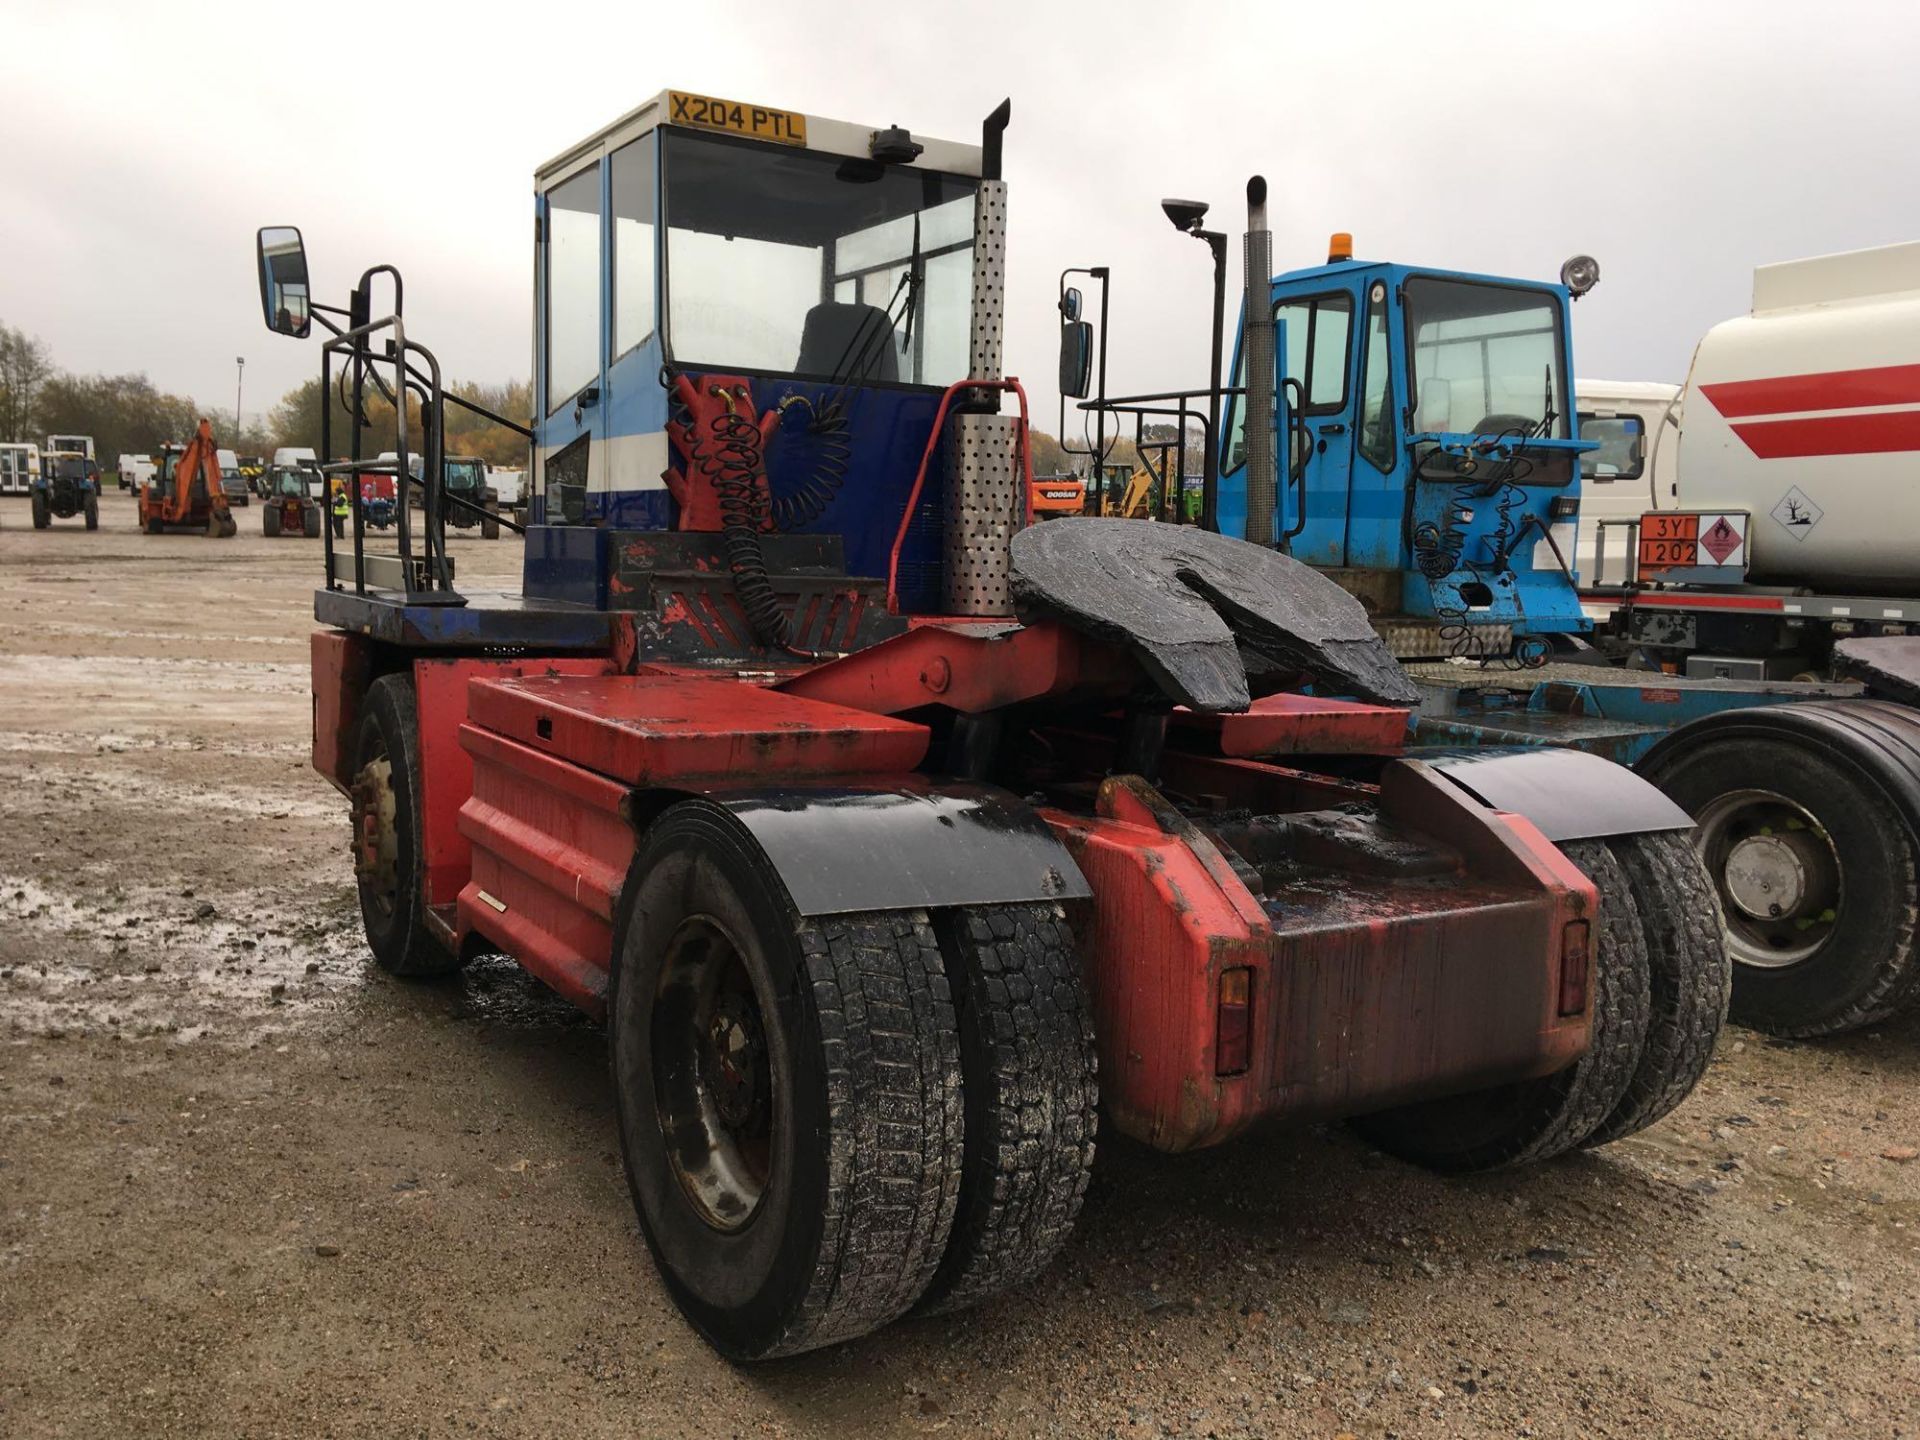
<point>712,1075</point>
<point>376,835</point>
<point>1778,872</point>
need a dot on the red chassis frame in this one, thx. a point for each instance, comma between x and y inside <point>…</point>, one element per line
<point>1215,1007</point>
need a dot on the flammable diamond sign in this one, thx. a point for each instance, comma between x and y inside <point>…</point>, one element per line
<point>1720,539</point>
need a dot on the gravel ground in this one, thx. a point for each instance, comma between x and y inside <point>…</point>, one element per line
<point>251,1187</point>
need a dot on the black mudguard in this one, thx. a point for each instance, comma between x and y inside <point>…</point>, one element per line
<point>906,845</point>
<point>1567,794</point>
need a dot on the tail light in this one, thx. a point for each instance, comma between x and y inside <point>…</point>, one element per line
<point>1234,1030</point>
<point>1576,966</point>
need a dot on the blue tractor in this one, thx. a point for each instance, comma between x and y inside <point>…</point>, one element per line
<point>68,485</point>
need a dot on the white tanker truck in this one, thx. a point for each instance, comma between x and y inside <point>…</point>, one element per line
<point>1778,589</point>
<point>1796,517</point>
<point>1789,551</point>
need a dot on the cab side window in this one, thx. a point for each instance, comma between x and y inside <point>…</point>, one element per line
<point>1375,440</point>
<point>1318,329</point>
<point>573,286</point>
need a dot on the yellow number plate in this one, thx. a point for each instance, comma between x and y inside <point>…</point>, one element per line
<point>710,113</point>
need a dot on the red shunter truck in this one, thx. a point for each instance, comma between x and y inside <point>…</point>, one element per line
<point>897,840</point>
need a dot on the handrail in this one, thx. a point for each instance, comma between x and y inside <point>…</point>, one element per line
<point>926,458</point>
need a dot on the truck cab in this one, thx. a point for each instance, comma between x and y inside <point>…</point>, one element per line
<point>831,272</point>
<point>1431,455</point>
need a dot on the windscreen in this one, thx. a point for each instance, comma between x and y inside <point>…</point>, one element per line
<point>798,263</point>
<point>66,467</point>
<point>1486,359</point>
<point>464,475</point>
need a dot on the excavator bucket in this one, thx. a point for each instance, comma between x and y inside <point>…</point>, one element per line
<point>1209,616</point>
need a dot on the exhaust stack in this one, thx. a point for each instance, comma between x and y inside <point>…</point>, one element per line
<point>985,497</point>
<point>1262,476</point>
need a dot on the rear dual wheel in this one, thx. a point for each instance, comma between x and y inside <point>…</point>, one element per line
<point>828,1121</point>
<point>1661,977</point>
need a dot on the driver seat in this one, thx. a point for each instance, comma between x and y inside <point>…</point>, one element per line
<point>844,340</point>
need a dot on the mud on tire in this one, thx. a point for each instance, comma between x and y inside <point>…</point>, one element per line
<point>387,864</point>
<point>788,1093</point>
<point>1534,1120</point>
<point>1027,1052</point>
<point>1689,973</point>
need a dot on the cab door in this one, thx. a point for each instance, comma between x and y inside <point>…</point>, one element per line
<point>569,348</point>
<point>1318,355</point>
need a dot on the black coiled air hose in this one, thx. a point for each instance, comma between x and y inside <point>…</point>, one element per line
<point>833,457</point>
<point>731,461</point>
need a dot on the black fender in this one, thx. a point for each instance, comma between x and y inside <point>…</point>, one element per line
<point>1567,794</point>
<point>1878,740</point>
<point>905,845</point>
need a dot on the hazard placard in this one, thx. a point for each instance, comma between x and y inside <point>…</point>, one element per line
<point>1697,547</point>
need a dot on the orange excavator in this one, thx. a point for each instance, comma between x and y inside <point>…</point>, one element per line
<point>185,491</point>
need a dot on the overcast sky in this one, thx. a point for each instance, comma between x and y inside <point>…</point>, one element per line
<point>1680,143</point>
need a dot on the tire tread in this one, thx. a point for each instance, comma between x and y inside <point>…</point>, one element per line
<point>1027,1042</point>
<point>890,1062</point>
<point>1690,977</point>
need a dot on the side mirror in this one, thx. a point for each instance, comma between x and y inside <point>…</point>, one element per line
<point>1076,358</point>
<point>283,280</point>
<point>1070,304</point>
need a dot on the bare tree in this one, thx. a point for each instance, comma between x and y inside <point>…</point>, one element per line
<point>25,364</point>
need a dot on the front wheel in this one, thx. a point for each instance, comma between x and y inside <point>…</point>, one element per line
<point>788,1094</point>
<point>93,512</point>
<point>42,512</point>
<point>387,837</point>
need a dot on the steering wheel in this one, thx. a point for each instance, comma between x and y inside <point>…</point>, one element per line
<point>1499,424</point>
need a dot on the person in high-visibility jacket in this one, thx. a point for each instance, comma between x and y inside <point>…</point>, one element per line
<point>341,508</point>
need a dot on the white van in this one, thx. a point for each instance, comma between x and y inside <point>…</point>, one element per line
<point>1637,424</point>
<point>19,468</point>
<point>134,471</point>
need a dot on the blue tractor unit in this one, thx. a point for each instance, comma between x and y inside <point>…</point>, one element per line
<point>1432,461</point>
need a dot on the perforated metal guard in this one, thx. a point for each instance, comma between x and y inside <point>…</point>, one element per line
<point>989,279</point>
<point>982,496</point>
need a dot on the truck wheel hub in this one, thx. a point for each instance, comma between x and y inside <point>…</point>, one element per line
<point>1765,878</point>
<point>713,1075</point>
<point>1778,875</point>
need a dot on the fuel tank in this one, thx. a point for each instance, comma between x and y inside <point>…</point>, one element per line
<point>1806,414</point>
